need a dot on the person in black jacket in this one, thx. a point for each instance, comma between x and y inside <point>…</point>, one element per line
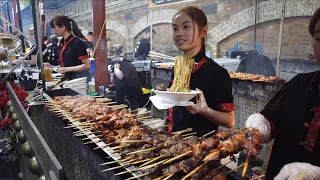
<point>292,119</point>
<point>127,84</point>
<point>254,63</point>
<point>143,46</point>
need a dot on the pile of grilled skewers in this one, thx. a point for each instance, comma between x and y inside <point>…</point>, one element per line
<point>157,154</point>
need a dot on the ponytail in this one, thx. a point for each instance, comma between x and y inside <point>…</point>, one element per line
<point>62,20</point>
<point>203,44</point>
<point>76,31</point>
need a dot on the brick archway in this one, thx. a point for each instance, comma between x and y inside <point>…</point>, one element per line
<point>155,17</point>
<point>118,27</point>
<point>269,10</point>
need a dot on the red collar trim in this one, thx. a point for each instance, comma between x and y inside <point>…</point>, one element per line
<point>62,50</point>
<point>199,64</point>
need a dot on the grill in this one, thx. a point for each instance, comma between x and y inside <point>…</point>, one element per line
<point>78,153</point>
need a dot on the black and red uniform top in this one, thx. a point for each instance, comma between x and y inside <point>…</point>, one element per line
<point>72,52</point>
<point>294,116</point>
<point>216,85</point>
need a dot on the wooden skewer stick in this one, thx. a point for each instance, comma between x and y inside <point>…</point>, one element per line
<point>209,133</point>
<point>88,132</point>
<point>193,172</point>
<point>147,112</point>
<point>151,166</point>
<point>171,175</point>
<point>178,157</point>
<point>92,142</point>
<point>134,141</point>
<point>246,164</point>
<point>182,131</point>
<point>137,162</point>
<point>137,177</point>
<point>135,110</point>
<point>110,169</point>
<point>82,133</point>
<point>104,146</point>
<point>118,108</point>
<point>118,147</point>
<point>224,164</point>
<point>302,175</point>
<point>109,103</point>
<point>236,168</point>
<point>71,119</point>
<point>190,134</point>
<point>187,137</point>
<point>83,130</point>
<point>143,150</point>
<point>87,138</point>
<point>160,178</point>
<point>212,154</point>
<point>258,177</point>
<point>78,126</point>
<point>151,161</point>
<point>117,161</point>
<point>124,172</point>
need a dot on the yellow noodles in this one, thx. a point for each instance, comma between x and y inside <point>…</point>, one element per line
<point>182,73</point>
<point>48,74</point>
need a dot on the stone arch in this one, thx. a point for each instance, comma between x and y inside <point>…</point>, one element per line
<point>269,10</point>
<point>155,17</point>
<point>116,26</point>
<point>110,25</point>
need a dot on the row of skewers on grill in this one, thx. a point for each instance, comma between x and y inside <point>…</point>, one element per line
<point>155,153</point>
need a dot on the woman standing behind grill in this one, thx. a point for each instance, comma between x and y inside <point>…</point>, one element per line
<point>73,56</point>
<point>215,106</point>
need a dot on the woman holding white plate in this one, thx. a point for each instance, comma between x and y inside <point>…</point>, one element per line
<point>215,105</point>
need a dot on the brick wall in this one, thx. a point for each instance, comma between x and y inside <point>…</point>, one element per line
<point>230,22</point>
<point>296,42</point>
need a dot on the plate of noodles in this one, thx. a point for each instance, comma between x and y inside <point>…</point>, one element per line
<point>179,92</point>
<point>176,97</point>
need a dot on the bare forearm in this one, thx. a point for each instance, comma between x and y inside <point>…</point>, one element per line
<point>225,119</point>
<point>79,68</point>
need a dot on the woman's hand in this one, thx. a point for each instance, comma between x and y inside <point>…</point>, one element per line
<point>117,71</point>
<point>225,119</point>
<point>200,107</point>
<point>62,70</point>
<point>295,170</point>
<point>16,61</point>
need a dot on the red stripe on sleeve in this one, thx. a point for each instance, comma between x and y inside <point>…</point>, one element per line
<point>225,107</point>
<point>83,57</point>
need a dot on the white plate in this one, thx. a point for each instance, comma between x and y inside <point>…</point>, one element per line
<point>54,75</point>
<point>176,97</point>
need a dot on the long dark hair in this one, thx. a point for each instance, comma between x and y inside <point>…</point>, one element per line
<point>313,22</point>
<point>198,17</point>
<point>62,20</point>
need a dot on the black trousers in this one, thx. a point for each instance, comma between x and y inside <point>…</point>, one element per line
<point>129,96</point>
